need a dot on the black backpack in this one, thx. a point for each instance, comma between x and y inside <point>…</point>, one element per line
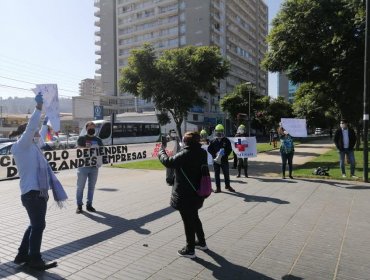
<point>321,171</point>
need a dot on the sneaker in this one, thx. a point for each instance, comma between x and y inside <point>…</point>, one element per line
<point>354,177</point>
<point>230,189</point>
<point>344,175</point>
<point>79,209</point>
<point>291,177</point>
<point>246,175</point>
<point>217,190</point>
<point>186,253</point>
<point>201,246</point>
<point>90,208</point>
<point>19,259</point>
<point>238,176</point>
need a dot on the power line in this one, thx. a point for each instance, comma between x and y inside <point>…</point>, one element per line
<point>26,89</point>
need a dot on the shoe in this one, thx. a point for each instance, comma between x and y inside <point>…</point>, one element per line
<point>201,246</point>
<point>246,176</point>
<point>230,189</point>
<point>41,264</point>
<point>344,175</point>
<point>238,176</point>
<point>354,177</point>
<point>19,259</point>
<point>185,252</point>
<point>291,177</point>
<point>79,209</point>
<point>217,190</point>
<point>90,208</point>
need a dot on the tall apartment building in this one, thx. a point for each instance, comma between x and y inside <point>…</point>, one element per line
<point>89,87</point>
<point>238,27</point>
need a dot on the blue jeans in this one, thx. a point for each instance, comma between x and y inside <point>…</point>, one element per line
<point>351,156</point>
<point>287,158</point>
<point>83,174</point>
<point>225,169</point>
<point>32,238</point>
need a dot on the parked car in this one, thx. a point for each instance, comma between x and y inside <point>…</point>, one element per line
<point>318,131</point>
<point>69,143</point>
<point>5,148</point>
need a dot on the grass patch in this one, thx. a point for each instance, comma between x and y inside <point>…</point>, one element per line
<point>151,164</point>
<point>331,160</point>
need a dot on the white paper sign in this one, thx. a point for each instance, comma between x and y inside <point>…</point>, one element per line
<point>244,147</point>
<point>51,103</point>
<point>295,127</point>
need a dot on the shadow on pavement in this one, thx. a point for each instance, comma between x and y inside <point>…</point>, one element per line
<point>255,198</point>
<point>340,184</point>
<point>107,189</point>
<point>118,226</point>
<point>226,270</point>
<point>276,180</point>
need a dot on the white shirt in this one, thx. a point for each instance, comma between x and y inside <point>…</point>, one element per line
<point>345,138</point>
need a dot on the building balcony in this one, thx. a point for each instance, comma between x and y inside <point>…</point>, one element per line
<point>98,61</point>
<point>98,42</point>
<point>97,23</point>
<point>98,52</point>
<point>97,3</point>
<point>97,13</point>
<point>97,33</point>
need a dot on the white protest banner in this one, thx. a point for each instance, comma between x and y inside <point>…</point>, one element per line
<point>244,147</point>
<point>74,158</point>
<point>295,127</point>
<point>51,103</point>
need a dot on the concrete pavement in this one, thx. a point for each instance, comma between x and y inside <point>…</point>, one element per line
<point>269,229</point>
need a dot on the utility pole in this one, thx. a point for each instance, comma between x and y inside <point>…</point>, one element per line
<point>366,92</point>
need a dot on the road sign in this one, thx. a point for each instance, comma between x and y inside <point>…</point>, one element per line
<point>98,112</point>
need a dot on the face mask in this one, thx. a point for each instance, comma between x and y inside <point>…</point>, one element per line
<point>219,134</point>
<point>343,125</point>
<point>91,131</point>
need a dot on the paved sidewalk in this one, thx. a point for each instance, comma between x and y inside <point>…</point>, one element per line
<point>269,229</point>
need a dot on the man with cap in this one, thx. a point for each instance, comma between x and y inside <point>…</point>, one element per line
<point>242,162</point>
<point>220,148</point>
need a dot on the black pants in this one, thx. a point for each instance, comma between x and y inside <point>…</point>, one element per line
<point>287,158</point>
<point>193,226</point>
<point>225,169</point>
<point>243,162</point>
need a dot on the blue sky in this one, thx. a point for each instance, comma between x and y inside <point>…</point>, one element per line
<point>50,41</point>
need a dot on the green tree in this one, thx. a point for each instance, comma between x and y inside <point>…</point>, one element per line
<point>174,80</point>
<point>321,41</point>
<point>265,112</point>
<point>313,103</point>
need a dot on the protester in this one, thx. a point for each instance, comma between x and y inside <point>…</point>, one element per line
<point>204,137</point>
<point>345,141</point>
<point>242,162</point>
<point>36,178</point>
<point>286,152</point>
<point>187,164</point>
<point>89,173</point>
<point>273,138</point>
<point>220,148</point>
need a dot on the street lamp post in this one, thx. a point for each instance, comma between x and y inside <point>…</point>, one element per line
<point>366,91</point>
<point>249,84</point>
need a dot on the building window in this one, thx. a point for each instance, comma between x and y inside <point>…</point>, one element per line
<point>195,117</point>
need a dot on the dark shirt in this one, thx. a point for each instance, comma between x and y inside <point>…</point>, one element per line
<point>215,146</point>
<point>89,141</point>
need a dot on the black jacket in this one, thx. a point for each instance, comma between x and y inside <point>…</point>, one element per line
<point>338,139</point>
<point>216,145</point>
<point>189,159</point>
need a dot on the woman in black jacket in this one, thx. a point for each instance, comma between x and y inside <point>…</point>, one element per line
<point>187,164</point>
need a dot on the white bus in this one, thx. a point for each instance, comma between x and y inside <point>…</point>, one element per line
<point>126,132</point>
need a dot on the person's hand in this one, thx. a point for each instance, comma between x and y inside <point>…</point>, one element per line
<point>38,98</point>
<point>45,120</point>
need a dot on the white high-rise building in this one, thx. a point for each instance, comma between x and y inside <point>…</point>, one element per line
<point>238,27</point>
